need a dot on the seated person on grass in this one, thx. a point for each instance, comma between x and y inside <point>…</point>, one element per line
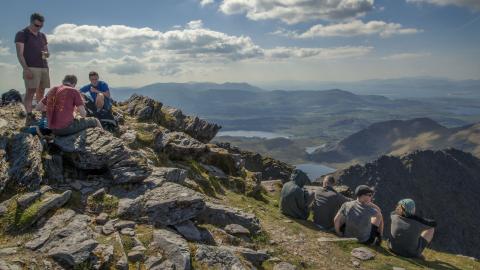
<point>361,218</point>
<point>410,234</point>
<point>294,198</point>
<point>60,103</point>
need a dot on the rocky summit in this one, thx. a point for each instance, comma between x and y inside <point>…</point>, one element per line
<point>157,194</point>
<point>140,196</point>
<point>444,185</point>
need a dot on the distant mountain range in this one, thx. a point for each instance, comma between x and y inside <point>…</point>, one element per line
<point>397,137</point>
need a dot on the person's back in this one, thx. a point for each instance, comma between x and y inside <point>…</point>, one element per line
<point>61,102</point>
<point>326,204</point>
<point>358,220</point>
<point>293,198</point>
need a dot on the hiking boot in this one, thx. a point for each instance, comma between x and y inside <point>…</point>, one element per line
<point>378,241</point>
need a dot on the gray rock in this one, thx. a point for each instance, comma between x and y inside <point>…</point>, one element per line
<point>52,202</point>
<point>98,149</point>
<point>4,178</point>
<point>174,175</point>
<point>168,204</point>
<point>101,219</point>
<point>122,262</point>
<point>188,230</point>
<point>25,158</point>
<point>104,256</point>
<point>135,256</point>
<point>253,256</point>
<point>28,198</point>
<point>236,229</point>
<point>129,136</point>
<point>222,216</point>
<point>144,108</point>
<point>8,251</point>
<point>284,266</point>
<point>214,171</point>
<point>53,165</point>
<point>174,247</point>
<point>153,262</point>
<point>4,265</point>
<point>363,253</point>
<point>122,224</point>
<point>108,228</point>
<point>178,145</point>
<point>128,231</point>
<point>166,265</point>
<point>98,194</point>
<point>218,258</point>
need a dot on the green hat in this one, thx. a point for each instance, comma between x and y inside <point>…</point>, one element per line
<point>408,205</point>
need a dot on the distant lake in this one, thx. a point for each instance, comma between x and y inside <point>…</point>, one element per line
<point>252,134</point>
<point>465,111</point>
<point>314,170</point>
<point>312,149</point>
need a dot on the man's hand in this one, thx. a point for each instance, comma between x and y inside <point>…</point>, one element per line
<point>27,74</point>
<point>94,90</point>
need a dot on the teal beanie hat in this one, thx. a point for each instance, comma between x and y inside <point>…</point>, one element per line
<point>408,205</point>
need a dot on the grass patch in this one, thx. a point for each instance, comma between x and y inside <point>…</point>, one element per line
<point>106,203</point>
<point>144,234</point>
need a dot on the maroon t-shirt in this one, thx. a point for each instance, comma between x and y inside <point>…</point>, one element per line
<point>61,102</point>
<point>33,47</point>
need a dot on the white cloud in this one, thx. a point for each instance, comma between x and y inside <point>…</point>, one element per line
<point>195,24</point>
<point>280,53</point>
<point>296,11</point>
<point>471,4</point>
<point>4,50</point>
<point>206,2</point>
<point>404,56</point>
<point>352,28</point>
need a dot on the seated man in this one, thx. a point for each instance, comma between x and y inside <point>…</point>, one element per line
<point>294,198</point>
<point>360,218</point>
<point>326,203</point>
<point>410,234</point>
<point>99,92</point>
<point>60,104</point>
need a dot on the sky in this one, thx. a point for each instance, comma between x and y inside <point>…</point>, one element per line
<point>135,43</point>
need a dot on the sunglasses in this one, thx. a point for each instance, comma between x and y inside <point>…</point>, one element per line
<point>369,194</point>
<point>37,25</point>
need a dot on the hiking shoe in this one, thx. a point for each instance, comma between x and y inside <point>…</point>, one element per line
<point>378,241</point>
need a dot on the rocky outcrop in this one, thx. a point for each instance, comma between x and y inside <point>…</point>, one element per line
<point>97,149</point>
<point>178,145</point>
<point>168,204</point>
<point>11,96</point>
<point>218,258</point>
<point>173,246</point>
<point>222,216</point>
<point>433,179</point>
<point>147,109</point>
<point>25,158</point>
<point>3,163</point>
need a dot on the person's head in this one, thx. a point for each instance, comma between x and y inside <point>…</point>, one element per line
<point>36,21</point>
<point>93,77</point>
<point>405,208</point>
<point>299,177</point>
<point>328,181</point>
<point>364,194</point>
<point>70,80</point>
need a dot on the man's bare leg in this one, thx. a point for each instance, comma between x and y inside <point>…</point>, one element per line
<point>28,99</point>
<point>428,234</point>
<point>39,94</point>
<point>100,101</point>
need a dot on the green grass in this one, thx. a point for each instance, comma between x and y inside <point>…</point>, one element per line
<point>107,203</point>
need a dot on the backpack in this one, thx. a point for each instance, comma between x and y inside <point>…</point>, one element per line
<point>107,119</point>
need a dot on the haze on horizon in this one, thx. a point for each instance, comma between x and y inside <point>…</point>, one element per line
<point>259,42</point>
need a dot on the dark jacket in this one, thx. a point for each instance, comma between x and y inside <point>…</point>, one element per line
<point>294,198</point>
<point>325,206</point>
<point>405,238</point>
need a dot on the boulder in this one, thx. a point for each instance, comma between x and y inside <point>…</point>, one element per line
<point>144,108</point>
<point>96,148</point>
<point>174,247</point>
<point>284,266</point>
<point>168,204</point>
<point>363,253</point>
<point>50,202</point>
<point>178,145</point>
<point>104,256</point>
<point>218,257</point>
<point>3,162</point>
<point>25,158</point>
<point>11,96</point>
<point>222,216</point>
<point>188,230</point>
<point>253,256</point>
<point>236,229</point>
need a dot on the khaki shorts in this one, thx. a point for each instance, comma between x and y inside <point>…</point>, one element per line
<point>41,79</point>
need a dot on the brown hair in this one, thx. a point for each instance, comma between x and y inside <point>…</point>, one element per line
<point>92,73</point>
<point>70,79</point>
<point>400,210</point>
<point>329,180</point>
<point>36,17</point>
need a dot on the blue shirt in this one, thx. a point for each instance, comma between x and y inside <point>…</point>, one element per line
<point>101,86</point>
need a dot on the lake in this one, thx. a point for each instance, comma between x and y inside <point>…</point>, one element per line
<point>314,170</point>
<point>252,134</point>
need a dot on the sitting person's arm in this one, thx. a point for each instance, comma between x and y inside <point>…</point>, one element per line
<point>425,221</point>
<point>81,110</point>
<point>338,221</point>
<point>41,107</point>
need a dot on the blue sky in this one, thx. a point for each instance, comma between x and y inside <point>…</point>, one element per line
<point>137,43</point>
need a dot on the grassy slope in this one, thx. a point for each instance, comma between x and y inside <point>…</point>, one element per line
<point>296,242</point>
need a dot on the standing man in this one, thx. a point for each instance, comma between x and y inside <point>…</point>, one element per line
<point>99,92</point>
<point>32,53</point>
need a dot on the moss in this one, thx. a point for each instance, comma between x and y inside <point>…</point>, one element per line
<point>25,218</point>
<point>128,242</point>
<point>145,234</point>
<point>107,203</point>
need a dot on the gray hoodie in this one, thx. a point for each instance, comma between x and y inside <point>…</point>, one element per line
<point>294,199</point>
